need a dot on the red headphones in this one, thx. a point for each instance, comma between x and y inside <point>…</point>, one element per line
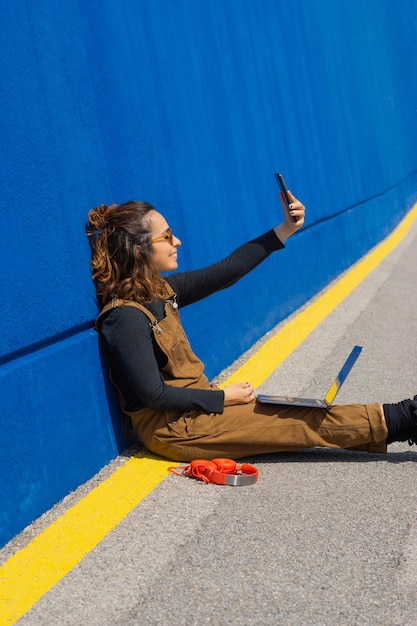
<point>219,471</point>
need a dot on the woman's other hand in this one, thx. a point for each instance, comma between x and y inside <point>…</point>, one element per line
<point>239,393</point>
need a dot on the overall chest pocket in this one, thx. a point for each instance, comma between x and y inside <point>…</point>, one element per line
<point>182,362</point>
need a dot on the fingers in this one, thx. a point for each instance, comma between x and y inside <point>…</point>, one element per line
<point>297,210</point>
<point>249,392</point>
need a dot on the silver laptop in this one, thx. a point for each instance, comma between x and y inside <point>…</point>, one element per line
<point>330,395</point>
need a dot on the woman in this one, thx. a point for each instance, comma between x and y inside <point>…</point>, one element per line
<point>175,411</point>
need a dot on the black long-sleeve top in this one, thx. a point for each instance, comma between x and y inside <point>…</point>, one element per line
<point>134,357</point>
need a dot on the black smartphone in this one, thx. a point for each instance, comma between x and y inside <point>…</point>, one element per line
<point>281,184</point>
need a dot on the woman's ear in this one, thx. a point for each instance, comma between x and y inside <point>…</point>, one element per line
<point>138,252</point>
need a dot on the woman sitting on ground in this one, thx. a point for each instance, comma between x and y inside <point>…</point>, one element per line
<point>174,409</point>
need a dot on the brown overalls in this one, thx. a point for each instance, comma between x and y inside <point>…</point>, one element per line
<point>246,429</point>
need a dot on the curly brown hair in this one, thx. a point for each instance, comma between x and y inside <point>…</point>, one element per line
<point>120,237</point>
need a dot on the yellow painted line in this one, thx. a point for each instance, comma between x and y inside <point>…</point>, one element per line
<point>34,570</point>
<point>272,353</point>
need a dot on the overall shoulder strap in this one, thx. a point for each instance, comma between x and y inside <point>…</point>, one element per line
<point>117,302</point>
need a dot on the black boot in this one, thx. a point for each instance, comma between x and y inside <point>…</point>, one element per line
<point>401,419</point>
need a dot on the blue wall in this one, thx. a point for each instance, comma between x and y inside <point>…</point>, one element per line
<point>191,105</point>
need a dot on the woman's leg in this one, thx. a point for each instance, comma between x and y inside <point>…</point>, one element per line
<point>251,429</point>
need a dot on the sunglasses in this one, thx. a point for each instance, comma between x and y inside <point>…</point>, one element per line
<point>167,236</point>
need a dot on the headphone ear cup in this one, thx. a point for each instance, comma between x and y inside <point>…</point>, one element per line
<point>227,466</point>
<point>199,466</point>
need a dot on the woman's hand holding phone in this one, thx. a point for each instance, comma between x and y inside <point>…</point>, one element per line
<point>293,211</point>
<point>284,195</point>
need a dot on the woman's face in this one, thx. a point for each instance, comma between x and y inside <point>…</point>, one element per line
<point>164,247</point>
